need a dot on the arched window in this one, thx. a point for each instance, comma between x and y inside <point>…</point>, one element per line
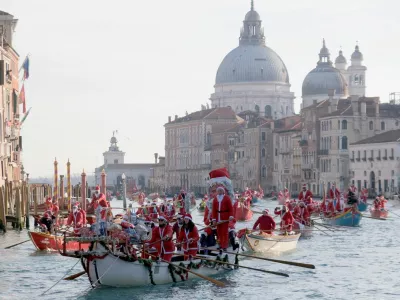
<point>383,126</point>
<point>361,80</point>
<point>264,172</point>
<point>344,142</point>
<point>371,125</point>
<point>268,111</point>
<point>263,152</point>
<point>257,108</point>
<point>344,125</point>
<point>356,79</point>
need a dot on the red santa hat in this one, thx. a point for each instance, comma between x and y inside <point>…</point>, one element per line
<point>188,216</point>
<point>97,188</point>
<point>304,185</point>
<point>178,216</point>
<point>218,173</point>
<point>266,210</point>
<point>287,201</point>
<point>46,215</point>
<point>205,197</point>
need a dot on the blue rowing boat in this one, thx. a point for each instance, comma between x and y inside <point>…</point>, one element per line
<point>347,218</point>
<point>362,206</point>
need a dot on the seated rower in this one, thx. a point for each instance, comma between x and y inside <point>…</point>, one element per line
<point>161,240</point>
<point>265,222</point>
<point>286,220</point>
<point>47,221</point>
<point>188,237</point>
<point>330,209</point>
<point>383,202</point>
<point>232,234</point>
<point>301,214</point>
<point>208,238</point>
<point>75,217</point>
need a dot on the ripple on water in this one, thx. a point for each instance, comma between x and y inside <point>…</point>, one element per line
<point>356,263</point>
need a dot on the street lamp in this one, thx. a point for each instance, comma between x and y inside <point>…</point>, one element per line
<point>124,189</point>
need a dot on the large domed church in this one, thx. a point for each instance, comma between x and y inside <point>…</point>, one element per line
<point>253,76</point>
<point>324,77</point>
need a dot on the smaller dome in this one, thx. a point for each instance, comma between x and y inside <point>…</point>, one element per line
<point>340,59</point>
<point>324,51</point>
<point>113,140</point>
<point>323,78</point>
<point>252,15</point>
<point>357,55</point>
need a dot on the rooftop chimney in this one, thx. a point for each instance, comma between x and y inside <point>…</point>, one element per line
<point>169,119</point>
<point>155,157</point>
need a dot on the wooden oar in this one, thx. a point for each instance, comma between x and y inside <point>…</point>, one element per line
<point>323,231</point>
<point>72,277</point>
<point>216,282</point>
<point>364,216</point>
<point>215,225</point>
<point>244,267</point>
<point>16,244</point>
<point>292,263</point>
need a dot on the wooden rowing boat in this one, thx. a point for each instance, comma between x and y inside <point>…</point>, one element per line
<point>105,268</point>
<point>270,243</point>
<point>243,213</point>
<point>362,206</point>
<point>347,218</point>
<point>49,242</point>
<point>379,213</point>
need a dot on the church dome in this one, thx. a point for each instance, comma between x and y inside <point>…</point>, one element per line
<point>357,55</point>
<point>252,61</point>
<point>340,59</point>
<point>324,77</point>
<point>249,63</point>
<point>252,15</point>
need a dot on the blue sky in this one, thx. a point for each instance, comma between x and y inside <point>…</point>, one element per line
<point>99,66</point>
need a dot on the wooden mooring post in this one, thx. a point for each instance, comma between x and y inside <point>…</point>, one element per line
<point>3,221</point>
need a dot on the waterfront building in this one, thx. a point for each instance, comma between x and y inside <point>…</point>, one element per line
<point>375,163</point>
<point>10,114</point>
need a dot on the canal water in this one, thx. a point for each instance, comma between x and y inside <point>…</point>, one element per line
<point>357,263</point>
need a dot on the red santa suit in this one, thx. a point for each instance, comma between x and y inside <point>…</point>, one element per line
<point>377,204</point>
<point>266,223</point>
<point>222,210</point>
<point>383,202</point>
<point>169,211</point>
<point>287,221</point>
<point>153,212</point>
<point>330,208</point>
<point>189,238</point>
<point>304,195</point>
<point>165,248</point>
<point>334,193</point>
<point>286,194</point>
<point>77,218</point>
<point>301,214</point>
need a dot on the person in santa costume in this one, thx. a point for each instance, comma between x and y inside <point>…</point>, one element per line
<point>305,193</point>
<point>286,220</point>
<point>75,217</point>
<point>334,192</point>
<point>126,225</point>
<point>100,206</point>
<point>207,212</point>
<point>286,193</point>
<point>330,209</point>
<point>188,237</point>
<point>46,222</point>
<point>377,204</point>
<point>55,210</point>
<point>383,202</point>
<point>153,212</point>
<point>169,210</point>
<point>178,225</point>
<point>265,222</point>
<point>301,214</point>
<point>222,211</point>
<point>181,202</point>
<point>49,204</point>
<point>353,188</point>
<point>161,239</point>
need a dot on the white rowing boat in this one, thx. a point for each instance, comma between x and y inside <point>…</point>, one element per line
<point>105,268</point>
<point>270,243</point>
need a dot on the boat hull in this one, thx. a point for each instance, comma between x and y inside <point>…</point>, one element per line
<point>243,213</point>
<point>347,218</point>
<point>115,272</point>
<point>48,242</point>
<point>362,206</point>
<point>379,214</point>
<point>306,231</point>
<point>271,243</point>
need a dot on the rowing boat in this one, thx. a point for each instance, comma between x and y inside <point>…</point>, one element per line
<point>49,242</point>
<point>347,218</point>
<point>265,242</point>
<point>379,213</point>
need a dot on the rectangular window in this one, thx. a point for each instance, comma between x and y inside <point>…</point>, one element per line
<point>359,185</point>
<point>352,155</point>
<point>263,136</point>
<point>386,185</point>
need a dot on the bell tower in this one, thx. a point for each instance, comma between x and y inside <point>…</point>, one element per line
<point>113,155</point>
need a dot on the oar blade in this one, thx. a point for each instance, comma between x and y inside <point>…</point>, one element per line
<point>72,277</point>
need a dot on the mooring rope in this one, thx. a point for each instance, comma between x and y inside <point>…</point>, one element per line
<point>60,278</point>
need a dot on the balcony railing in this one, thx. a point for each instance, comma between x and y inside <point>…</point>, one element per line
<point>391,157</point>
<point>378,158</point>
<point>370,158</point>
<point>323,152</point>
<point>384,158</point>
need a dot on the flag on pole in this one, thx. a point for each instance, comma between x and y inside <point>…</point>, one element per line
<point>25,66</point>
<point>27,113</point>
<point>22,98</point>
